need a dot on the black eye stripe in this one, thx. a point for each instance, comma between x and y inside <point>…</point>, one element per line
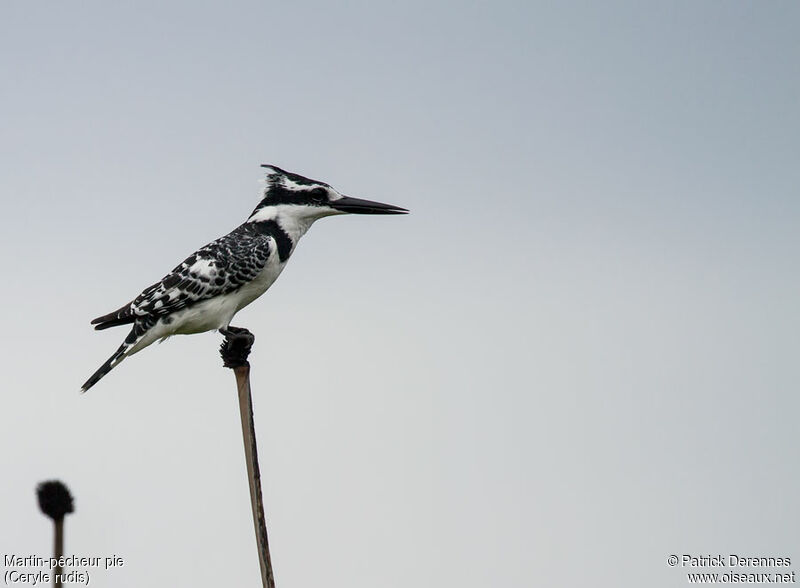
<point>278,194</point>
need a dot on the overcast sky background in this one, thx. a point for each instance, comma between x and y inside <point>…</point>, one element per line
<point>575,357</point>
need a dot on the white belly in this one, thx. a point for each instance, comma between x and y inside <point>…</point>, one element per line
<point>214,313</point>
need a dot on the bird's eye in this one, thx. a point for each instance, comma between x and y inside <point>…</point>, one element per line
<point>319,195</point>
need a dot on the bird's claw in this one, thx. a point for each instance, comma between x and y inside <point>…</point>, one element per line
<point>236,347</point>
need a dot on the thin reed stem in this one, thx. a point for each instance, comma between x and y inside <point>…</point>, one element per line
<point>235,350</point>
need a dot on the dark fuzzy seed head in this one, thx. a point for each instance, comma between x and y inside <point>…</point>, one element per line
<point>54,499</point>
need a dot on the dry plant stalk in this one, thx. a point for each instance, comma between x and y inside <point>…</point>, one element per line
<point>235,350</point>
<point>55,501</point>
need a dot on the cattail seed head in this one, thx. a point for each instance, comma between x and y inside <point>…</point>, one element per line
<point>54,499</point>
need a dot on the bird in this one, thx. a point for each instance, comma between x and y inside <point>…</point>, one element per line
<point>206,290</point>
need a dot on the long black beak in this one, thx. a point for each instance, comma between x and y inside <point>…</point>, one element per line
<point>358,206</point>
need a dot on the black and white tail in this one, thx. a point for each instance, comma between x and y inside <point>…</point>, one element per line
<point>109,365</point>
<point>123,316</point>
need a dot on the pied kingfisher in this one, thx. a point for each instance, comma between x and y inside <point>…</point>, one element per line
<point>215,282</point>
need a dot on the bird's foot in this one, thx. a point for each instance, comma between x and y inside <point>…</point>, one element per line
<point>232,331</point>
<point>236,347</point>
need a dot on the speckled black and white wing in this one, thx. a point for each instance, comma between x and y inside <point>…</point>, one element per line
<point>219,270</point>
<point>220,267</point>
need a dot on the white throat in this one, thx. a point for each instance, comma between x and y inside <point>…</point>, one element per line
<point>294,219</point>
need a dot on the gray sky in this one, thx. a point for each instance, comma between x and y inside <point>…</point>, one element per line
<point>576,356</point>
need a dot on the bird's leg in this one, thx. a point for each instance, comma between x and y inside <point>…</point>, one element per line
<point>236,347</point>
<point>230,331</point>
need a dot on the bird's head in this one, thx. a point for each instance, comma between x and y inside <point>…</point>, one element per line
<point>294,198</point>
